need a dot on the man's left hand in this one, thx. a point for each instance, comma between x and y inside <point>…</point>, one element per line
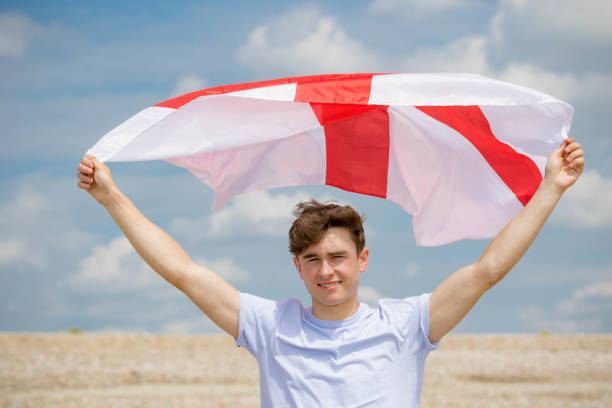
<point>565,164</point>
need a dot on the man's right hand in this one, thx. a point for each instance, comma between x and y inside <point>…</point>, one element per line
<point>95,177</point>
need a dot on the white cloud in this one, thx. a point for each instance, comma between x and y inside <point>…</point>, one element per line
<point>411,270</point>
<point>471,54</point>
<point>188,83</point>
<point>368,294</point>
<point>304,41</point>
<point>523,47</point>
<point>420,7</point>
<point>587,204</point>
<point>267,214</point>
<point>586,19</point>
<point>562,86</point>
<point>28,205</point>
<point>104,263</point>
<point>226,268</point>
<point>586,87</point>
<point>559,35</point>
<point>19,33</point>
<point>539,319</point>
<point>15,34</point>
<point>596,290</point>
<point>148,309</point>
<point>258,213</point>
<point>10,250</point>
<point>467,54</point>
<point>24,214</point>
<point>193,229</point>
<point>15,252</point>
<point>566,274</point>
<point>589,309</point>
<point>114,267</point>
<point>39,219</point>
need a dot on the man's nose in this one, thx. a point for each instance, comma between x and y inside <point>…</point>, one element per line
<point>326,269</point>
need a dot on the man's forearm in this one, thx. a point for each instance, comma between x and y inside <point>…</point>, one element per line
<point>507,248</point>
<point>154,245</point>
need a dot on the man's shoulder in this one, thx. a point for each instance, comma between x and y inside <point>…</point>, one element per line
<point>266,316</point>
<point>260,304</point>
<point>410,301</point>
<point>403,309</point>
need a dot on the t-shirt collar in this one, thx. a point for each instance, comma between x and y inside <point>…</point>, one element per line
<point>363,309</point>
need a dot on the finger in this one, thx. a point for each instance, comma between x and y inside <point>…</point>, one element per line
<point>87,160</point>
<point>559,150</point>
<point>575,168</point>
<point>84,169</point>
<point>84,186</point>
<point>574,155</point>
<point>85,178</point>
<point>571,147</point>
<point>96,163</point>
<point>578,164</point>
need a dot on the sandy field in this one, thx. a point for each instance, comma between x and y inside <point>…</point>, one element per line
<point>147,370</point>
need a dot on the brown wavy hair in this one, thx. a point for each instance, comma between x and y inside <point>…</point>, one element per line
<point>313,219</point>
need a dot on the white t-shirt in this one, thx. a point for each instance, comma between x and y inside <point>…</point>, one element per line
<point>375,358</point>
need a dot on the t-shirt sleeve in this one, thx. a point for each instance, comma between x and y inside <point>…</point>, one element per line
<point>410,318</point>
<point>424,321</point>
<point>256,320</point>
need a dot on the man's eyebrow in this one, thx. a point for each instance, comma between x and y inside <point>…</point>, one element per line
<point>309,255</point>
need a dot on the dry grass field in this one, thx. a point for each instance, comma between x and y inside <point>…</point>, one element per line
<point>146,370</point>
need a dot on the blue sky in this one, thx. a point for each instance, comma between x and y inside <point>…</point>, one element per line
<point>72,70</point>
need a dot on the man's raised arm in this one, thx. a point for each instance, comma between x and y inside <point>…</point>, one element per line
<point>457,294</point>
<point>213,295</point>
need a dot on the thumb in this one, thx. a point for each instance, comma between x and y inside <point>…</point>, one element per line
<point>558,152</point>
<point>94,160</point>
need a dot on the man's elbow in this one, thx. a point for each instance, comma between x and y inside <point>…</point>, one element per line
<point>489,272</point>
<point>182,275</point>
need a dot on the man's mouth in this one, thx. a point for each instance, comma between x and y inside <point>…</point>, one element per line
<point>329,285</point>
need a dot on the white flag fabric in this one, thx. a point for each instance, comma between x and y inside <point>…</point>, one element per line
<point>462,153</point>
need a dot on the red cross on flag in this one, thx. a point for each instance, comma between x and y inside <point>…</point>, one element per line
<point>462,153</point>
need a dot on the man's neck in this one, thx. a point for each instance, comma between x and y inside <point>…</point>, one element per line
<point>340,311</point>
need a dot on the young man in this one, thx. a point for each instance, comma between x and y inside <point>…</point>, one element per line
<point>339,352</point>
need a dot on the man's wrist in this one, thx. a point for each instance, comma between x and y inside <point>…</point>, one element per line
<point>112,198</point>
<point>550,189</point>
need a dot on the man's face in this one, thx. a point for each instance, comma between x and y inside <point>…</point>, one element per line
<point>330,268</point>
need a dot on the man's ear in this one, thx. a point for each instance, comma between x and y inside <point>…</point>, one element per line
<point>364,257</point>
<point>296,262</point>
